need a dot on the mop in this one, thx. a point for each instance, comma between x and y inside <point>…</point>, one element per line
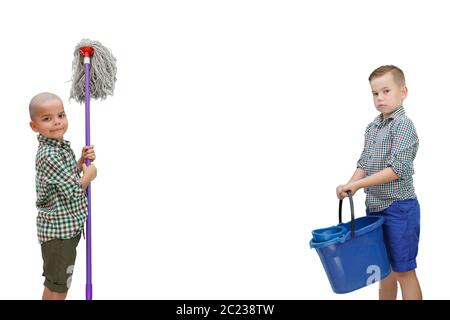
<point>94,76</point>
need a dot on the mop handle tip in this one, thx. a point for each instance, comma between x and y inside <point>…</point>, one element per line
<point>87,51</point>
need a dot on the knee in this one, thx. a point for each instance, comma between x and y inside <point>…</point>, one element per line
<point>400,276</point>
<point>391,277</point>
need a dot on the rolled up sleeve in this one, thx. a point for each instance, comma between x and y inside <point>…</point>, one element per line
<point>362,162</point>
<point>67,183</point>
<point>405,143</point>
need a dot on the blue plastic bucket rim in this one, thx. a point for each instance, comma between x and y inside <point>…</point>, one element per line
<point>379,220</point>
<point>329,232</point>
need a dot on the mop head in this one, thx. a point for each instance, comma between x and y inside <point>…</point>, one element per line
<point>102,71</point>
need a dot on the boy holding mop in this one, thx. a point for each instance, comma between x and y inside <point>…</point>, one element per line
<point>61,199</point>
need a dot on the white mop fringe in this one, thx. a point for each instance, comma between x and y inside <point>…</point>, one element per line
<point>103,72</point>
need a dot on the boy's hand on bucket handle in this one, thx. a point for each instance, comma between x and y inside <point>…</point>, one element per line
<point>340,193</point>
<point>352,187</point>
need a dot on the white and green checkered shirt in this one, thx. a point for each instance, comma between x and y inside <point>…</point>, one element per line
<point>392,142</point>
<point>61,201</point>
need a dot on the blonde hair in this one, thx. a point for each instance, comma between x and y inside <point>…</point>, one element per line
<point>396,72</point>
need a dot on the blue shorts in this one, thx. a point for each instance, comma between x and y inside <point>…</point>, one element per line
<point>401,231</point>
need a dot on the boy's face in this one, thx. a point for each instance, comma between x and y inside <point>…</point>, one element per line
<point>387,94</point>
<point>49,119</point>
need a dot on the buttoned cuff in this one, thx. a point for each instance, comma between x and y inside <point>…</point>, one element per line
<point>400,168</point>
<point>360,164</point>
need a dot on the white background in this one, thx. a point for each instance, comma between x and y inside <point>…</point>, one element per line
<point>231,125</point>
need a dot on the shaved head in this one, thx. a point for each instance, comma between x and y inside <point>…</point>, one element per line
<point>40,99</point>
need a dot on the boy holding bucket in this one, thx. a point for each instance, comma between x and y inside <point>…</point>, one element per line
<point>61,198</point>
<point>385,171</point>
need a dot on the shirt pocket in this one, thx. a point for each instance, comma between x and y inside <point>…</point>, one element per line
<point>382,144</point>
<point>381,137</point>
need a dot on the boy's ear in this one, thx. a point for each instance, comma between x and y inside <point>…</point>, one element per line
<point>33,126</point>
<point>404,92</point>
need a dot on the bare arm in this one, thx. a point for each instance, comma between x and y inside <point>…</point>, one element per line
<point>358,175</point>
<point>85,182</point>
<point>89,174</point>
<point>384,176</point>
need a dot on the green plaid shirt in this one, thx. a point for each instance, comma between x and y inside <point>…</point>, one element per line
<point>61,201</point>
<point>392,142</point>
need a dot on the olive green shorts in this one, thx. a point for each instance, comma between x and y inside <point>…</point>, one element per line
<point>59,259</point>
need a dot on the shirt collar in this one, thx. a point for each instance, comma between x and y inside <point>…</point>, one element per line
<point>52,142</point>
<point>394,115</point>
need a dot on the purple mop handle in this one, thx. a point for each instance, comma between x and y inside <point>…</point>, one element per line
<point>87,98</point>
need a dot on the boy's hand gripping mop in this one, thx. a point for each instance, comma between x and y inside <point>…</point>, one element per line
<point>94,75</point>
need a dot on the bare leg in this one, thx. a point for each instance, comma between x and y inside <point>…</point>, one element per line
<point>50,295</point>
<point>388,287</point>
<point>410,285</point>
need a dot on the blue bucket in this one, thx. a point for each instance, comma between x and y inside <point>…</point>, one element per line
<point>353,254</point>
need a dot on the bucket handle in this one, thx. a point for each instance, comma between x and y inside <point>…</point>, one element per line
<point>352,213</point>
